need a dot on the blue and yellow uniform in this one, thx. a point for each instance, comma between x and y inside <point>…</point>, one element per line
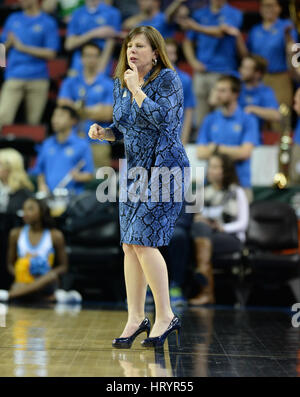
<point>33,260</point>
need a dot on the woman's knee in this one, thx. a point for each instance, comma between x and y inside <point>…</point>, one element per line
<point>127,249</point>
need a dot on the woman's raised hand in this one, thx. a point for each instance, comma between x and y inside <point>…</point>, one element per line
<point>131,78</point>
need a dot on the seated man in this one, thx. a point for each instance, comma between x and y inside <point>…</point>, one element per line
<point>64,154</point>
<point>91,94</point>
<point>256,98</point>
<point>229,130</point>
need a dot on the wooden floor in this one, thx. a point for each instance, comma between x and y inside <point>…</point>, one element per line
<point>74,341</point>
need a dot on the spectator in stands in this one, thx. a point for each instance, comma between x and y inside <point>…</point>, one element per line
<point>222,224</point>
<point>256,98</point>
<point>271,39</point>
<point>62,8</point>
<point>294,172</point>
<point>31,39</point>
<point>15,185</point>
<point>151,15</point>
<point>189,97</point>
<point>230,130</point>
<point>97,22</point>
<point>91,94</point>
<point>215,31</point>
<point>31,253</point>
<point>64,154</point>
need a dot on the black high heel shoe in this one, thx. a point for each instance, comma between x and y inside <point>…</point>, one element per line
<point>157,341</point>
<point>125,343</point>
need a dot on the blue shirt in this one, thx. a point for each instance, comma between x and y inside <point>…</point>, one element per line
<point>56,159</point>
<point>297,132</point>
<point>217,54</point>
<point>159,22</point>
<point>270,44</point>
<point>38,31</point>
<point>84,19</point>
<point>234,130</point>
<point>261,95</point>
<point>188,93</point>
<point>98,92</point>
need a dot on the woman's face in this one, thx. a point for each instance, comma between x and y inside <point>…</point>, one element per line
<point>215,170</point>
<point>139,52</point>
<point>31,212</point>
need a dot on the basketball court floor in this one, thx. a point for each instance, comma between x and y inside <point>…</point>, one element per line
<point>75,341</point>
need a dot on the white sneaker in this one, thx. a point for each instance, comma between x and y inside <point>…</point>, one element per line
<point>61,296</point>
<point>4,295</point>
<point>74,297</point>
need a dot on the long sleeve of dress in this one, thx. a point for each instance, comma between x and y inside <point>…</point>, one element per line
<point>118,134</point>
<point>166,108</point>
<point>116,92</point>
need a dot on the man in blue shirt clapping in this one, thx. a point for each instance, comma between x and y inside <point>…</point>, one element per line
<point>31,39</point>
<point>97,22</point>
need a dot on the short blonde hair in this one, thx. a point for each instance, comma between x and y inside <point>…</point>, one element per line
<point>157,43</point>
<point>13,161</point>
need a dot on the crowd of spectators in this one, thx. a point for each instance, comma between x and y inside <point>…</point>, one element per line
<point>234,77</point>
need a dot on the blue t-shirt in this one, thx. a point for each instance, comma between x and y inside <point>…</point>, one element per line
<point>297,132</point>
<point>37,31</point>
<point>84,19</point>
<point>56,159</point>
<point>188,93</point>
<point>234,130</point>
<point>261,95</point>
<point>98,92</point>
<point>217,54</point>
<point>159,22</point>
<point>270,44</point>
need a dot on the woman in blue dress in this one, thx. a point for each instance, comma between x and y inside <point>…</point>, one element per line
<point>148,114</point>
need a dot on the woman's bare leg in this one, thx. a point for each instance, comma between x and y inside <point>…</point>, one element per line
<point>136,286</point>
<point>155,270</point>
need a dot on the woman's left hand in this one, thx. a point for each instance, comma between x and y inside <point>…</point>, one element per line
<point>131,78</point>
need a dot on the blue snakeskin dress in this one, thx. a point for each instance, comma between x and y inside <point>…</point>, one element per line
<point>151,136</point>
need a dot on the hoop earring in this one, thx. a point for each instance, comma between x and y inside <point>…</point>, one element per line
<point>154,62</point>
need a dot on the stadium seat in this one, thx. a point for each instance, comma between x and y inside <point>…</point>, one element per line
<point>36,132</point>
<point>273,226</point>
<point>270,138</point>
<point>57,68</point>
<point>245,5</point>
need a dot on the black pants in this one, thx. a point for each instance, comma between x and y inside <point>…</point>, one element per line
<point>222,243</point>
<point>178,255</point>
